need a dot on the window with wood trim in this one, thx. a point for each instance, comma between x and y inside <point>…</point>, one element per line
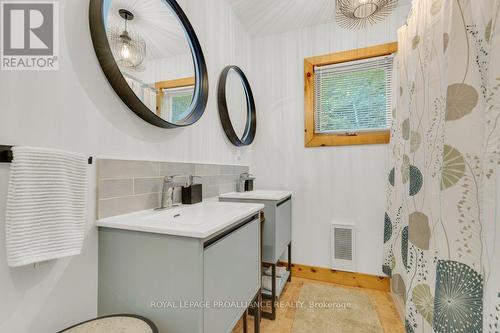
<point>174,97</point>
<point>348,97</point>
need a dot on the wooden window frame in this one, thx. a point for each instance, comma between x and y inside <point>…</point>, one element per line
<point>170,84</point>
<point>312,139</point>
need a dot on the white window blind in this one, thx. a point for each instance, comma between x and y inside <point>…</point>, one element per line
<point>354,96</point>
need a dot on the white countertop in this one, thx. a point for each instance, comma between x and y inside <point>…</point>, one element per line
<point>200,220</point>
<point>258,195</point>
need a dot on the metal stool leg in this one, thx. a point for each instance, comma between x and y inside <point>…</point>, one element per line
<point>257,313</point>
<point>271,315</point>
<point>245,322</point>
<point>289,264</point>
<point>273,292</point>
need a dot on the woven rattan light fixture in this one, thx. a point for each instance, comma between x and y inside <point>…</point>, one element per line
<point>128,48</point>
<point>358,14</point>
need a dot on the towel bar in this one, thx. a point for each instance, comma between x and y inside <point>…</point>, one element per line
<point>6,155</point>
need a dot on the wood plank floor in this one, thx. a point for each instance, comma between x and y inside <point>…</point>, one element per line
<point>382,301</point>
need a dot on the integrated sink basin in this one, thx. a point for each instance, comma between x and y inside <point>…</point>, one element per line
<point>199,220</point>
<point>178,215</point>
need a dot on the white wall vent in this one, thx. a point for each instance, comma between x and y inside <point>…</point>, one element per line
<point>343,247</point>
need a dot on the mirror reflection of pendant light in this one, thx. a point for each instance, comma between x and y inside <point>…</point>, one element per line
<point>357,14</point>
<point>129,49</point>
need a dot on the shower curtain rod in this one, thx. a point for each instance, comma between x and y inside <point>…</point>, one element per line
<point>6,155</point>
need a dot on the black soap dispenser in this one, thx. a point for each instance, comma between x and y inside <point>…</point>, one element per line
<point>192,193</point>
<point>245,182</point>
<point>249,184</point>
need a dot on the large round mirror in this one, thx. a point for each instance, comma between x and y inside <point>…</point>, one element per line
<point>236,106</point>
<point>152,58</point>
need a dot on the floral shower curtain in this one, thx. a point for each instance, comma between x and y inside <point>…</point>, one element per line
<point>442,224</point>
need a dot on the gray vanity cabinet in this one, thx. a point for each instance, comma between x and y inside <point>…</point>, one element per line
<point>277,230</point>
<point>226,280</point>
<point>276,236</point>
<point>159,275</point>
<point>282,229</point>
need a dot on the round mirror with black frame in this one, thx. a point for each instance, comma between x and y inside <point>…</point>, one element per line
<point>228,85</point>
<point>151,56</point>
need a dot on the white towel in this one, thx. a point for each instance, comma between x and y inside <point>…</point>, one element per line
<point>46,201</point>
<point>267,282</point>
<point>280,271</point>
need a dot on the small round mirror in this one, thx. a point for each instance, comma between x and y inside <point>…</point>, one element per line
<point>236,100</point>
<point>236,106</point>
<point>151,56</point>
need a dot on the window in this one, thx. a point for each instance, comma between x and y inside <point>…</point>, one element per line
<point>176,103</point>
<point>348,97</point>
<point>174,97</point>
<point>353,97</point>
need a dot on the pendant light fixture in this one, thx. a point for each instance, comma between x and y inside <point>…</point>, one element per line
<point>129,49</point>
<point>357,14</point>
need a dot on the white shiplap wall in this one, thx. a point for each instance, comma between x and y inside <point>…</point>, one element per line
<point>75,109</point>
<point>341,184</point>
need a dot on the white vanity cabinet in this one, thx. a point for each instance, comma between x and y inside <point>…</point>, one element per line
<point>183,284</point>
